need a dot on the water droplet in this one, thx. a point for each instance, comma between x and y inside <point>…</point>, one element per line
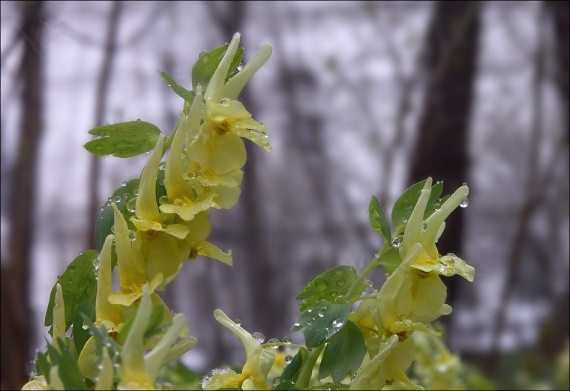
<point>437,206</point>
<point>135,192</point>
<point>397,242</point>
<point>124,183</point>
<point>258,132</point>
<point>161,167</point>
<point>464,203</point>
<point>117,199</point>
<point>288,340</point>
<point>205,381</point>
<point>276,382</point>
<point>288,359</point>
<point>309,310</point>
<point>296,324</point>
<point>100,367</point>
<point>273,341</point>
<point>163,200</point>
<point>132,235</point>
<point>202,54</point>
<point>238,322</point>
<point>259,337</point>
<point>224,101</point>
<point>113,228</point>
<point>320,314</point>
<point>132,205</point>
<point>424,226</point>
<point>464,184</point>
<point>338,324</point>
<point>408,204</point>
<point>340,299</point>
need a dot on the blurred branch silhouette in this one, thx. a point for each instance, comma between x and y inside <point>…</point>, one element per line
<point>17,338</point>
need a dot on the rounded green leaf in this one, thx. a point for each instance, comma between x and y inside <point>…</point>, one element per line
<point>343,354</point>
<point>321,321</point>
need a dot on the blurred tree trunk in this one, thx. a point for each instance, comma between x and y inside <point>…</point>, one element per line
<point>555,329</point>
<point>103,82</point>
<point>17,336</point>
<point>441,149</point>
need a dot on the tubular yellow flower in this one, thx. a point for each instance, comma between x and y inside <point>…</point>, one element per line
<point>259,362</point>
<point>107,314</point>
<point>139,371</point>
<point>426,233</point>
<point>147,216</point>
<point>131,266</point>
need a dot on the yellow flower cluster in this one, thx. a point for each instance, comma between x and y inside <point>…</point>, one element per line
<point>203,170</point>
<point>412,296</point>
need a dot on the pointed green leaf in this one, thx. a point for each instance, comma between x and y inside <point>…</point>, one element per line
<point>78,286</point>
<point>79,334</point>
<point>330,285</point>
<point>207,64</point>
<point>343,354</point>
<point>292,370</point>
<point>123,198</point>
<point>404,205</point>
<point>182,92</point>
<point>378,219</point>
<point>125,139</point>
<point>321,321</point>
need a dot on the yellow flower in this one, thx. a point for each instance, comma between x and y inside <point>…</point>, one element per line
<point>139,371</point>
<point>426,233</point>
<point>259,361</point>
<point>147,217</point>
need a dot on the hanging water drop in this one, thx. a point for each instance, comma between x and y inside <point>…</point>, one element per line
<point>464,203</point>
<point>273,343</point>
<point>238,322</point>
<point>132,235</point>
<point>397,242</point>
<point>132,205</point>
<point>163,200</point>
<point>259,337</point>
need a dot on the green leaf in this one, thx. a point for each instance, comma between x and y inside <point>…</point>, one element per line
<point>378,219</point>
<point>78,285</point>
<point>43,365</point>
<point>102,340</point>
<point>343,354</point>
<point>332,285</point>
<point>404,205</point>
<point>79,334</point>
<point>178,376</point>
<point>292,370</point>
<point>286,385</point>
<point>390,260</point>
<point>122,197</point>
<point>182,92</point>
<point>68,370</point>
<point>207,64</point>
<point>433,201</point>
<point>125,139</point>
<point>321,321</point>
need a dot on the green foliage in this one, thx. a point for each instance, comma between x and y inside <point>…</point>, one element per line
<point>378,219</point>
<point>124,198</point>
<point>81,335</point>
<point>208,62</point>
<point>390,260</point>
<point>404,205</point>
<point>125,139</point>
<point>177,376</point>
<point>292,370</point>
<point>68,371</point>
<point>343,354</point>
<point>78,286</point>
<point>182,92</point>
<point>333,284</point>
<point>321,321</point>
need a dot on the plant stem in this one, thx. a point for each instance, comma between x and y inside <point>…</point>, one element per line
<point>371,266</point>
<point>305,375</point>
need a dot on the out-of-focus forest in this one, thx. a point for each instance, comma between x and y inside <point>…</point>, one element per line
<point>361,98</point>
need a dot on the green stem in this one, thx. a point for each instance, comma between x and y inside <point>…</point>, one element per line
<point>305,376</point>
<point>371,266</point>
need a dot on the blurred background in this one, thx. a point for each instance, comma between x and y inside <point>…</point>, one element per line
<point>361,98</point>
